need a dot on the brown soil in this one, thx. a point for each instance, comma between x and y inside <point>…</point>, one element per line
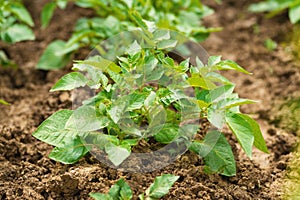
<point>27,173</point>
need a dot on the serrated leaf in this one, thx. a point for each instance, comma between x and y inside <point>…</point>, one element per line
<point>86,118</point>
<point>70,81</point>
<point>121,190</point>
<point>69,153</point>
<point>217,153</point>
<point>47,13</point>
<point>50,59</point>
<point>161,186</point>
<point>52,130</point>
<point>116,154</point>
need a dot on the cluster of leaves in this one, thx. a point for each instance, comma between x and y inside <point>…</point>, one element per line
<point>148,105</point>
<point>277,6</point>
<point>15,22</point>
<point>121,190</point>
<point>113,17</point>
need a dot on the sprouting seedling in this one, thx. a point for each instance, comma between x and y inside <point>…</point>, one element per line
<point>121,190</point>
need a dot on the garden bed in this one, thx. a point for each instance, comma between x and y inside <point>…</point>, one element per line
<point>27,173</point>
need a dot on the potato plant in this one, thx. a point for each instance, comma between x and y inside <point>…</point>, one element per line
<point>121,190</point>
<point>15,22</point>
<point>277,6</point>
<point>113,17</point>
<point>141,96</point>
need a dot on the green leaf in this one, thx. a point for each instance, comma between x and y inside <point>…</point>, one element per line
<point>165,44</point>
<point>217,153</point>
<point>167,134</point>
<point>52,130</point>
<point>99,196</point>
<point>20,11</point>
<point>294,14</point>
<point>17,33</point>
<point>233,102</point>
<point>47,13</point>
<point>230,65</point>
<point>213,60</point>
<point>70,153</point>
<point>4,102</point>
<point>86,118</point>
<point>259,141</point>
<point>242,130</point>
<point>136,101</point>
<point>116,154</point>
<point>161,186</point>
<point>70,81</point>
<point>121,190</point>
<point>50,59</point>
<point>197,81</point>
<point>216,117</point>
<point>216,94</point>
<point>134,48</point>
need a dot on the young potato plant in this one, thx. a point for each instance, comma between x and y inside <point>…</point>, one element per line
<point>15,26</point>
<point>277,6</point>
<point>141,96</point>
<point>15,22</point>
<point>3,102</point>
<point>113,17</point>
<point>121,190</point>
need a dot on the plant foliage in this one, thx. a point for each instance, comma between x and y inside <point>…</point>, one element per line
<point>113,17</point>
<point>277,6</point>
<point>160,107</point>
<point>15,22</point>
<point>121,190</point>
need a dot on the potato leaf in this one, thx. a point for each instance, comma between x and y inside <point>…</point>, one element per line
<point>17,33</point>
<point>70,81</point>
<point>47,13</point>
<point>52,130</point>
<point>22,14</point>
<point>50,59</point>
<point>161,186</point>
<point>85,119</point>
<point>243,131</point>
<point>116,154</point>
<point>121,190</point>
<point>217,153</point>
<point>70,152</point>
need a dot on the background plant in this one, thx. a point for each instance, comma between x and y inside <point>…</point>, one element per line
<point>277,6</point>
<point>15,26</point>
<point>113,17</point>
<point>121,190</point>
